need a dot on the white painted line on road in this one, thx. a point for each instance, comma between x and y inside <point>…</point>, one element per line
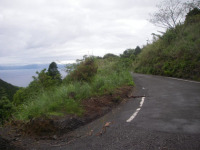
<point>142,102</point>
<point>183,80</point>
<point>137,110</point>
<point>134,115</point>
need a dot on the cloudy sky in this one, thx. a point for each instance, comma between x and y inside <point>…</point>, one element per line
<point>42,31</point>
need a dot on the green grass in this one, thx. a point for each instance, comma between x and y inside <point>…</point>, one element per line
<point>66,98</point>
<point>176,54</point>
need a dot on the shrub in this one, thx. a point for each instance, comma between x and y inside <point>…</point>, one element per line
<point>6,109</point>
<point>84,71</point>
<point>84,81</point>
<point>110,56</point>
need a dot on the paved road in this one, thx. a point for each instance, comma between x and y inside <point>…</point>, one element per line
<point>167,118</point>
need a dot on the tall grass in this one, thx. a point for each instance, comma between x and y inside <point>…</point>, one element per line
<point>56,101</point>
<point>67,98</point>
<point>175,54</point>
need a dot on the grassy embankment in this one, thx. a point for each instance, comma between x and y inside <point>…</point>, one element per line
<point>175,54</point>
<point>92,77</point>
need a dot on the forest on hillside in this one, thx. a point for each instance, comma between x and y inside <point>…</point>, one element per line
<point>175,53</point>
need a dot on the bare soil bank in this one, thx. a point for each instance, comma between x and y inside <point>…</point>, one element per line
<point>20,135</point>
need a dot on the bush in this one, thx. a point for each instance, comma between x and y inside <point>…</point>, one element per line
<point>84,71</point>
<point>110,56</point>
<point>20,96</point>
<point>44,81</point>
<point>6,109</point>
<point>66,99</point>
<point>193,16</point>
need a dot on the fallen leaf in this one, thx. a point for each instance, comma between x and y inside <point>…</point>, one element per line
<point>90,133</point>
<point>107,124</point>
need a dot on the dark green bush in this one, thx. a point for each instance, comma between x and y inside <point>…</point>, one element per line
<point>193,16</point>
<point>110,56</point>
<point>85,71</point>
<point>6,109</point>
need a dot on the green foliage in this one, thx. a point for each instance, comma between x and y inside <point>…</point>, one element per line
<point>6,109</point>
<point>111,74</point>
<point>84,71</point>
<point>110,56</point>
<point>137,50</point>
<point>193,16</point>
<point>131,53</point>
<point>175,54</point>
<point>2,92</point>
<point>40,83</point>
<point>8,89</point>
<point>169,36</point>
<point>54,73</point>
<point>47,103</point>
<point>128,53</point>
<point>20,96</point>
<point>44,81</point>
<point>107,75</point>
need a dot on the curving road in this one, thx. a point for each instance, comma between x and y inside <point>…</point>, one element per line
<point>164,116</point>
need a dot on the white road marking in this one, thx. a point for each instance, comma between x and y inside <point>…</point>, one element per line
<point>142,102</point>
<point>137,110</point>
<point>134,115</point>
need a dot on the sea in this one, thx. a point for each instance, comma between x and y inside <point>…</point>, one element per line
<point>22,77</point>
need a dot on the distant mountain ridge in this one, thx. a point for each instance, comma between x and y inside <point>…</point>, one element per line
<point>31,66</point>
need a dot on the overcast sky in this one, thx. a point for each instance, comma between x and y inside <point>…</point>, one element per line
<point>42,31</point>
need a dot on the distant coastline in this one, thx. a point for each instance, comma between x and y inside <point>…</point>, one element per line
<point>31,66</point>
<point>21,76</point>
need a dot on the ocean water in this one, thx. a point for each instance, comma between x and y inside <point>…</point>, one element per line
<point>21,77</point>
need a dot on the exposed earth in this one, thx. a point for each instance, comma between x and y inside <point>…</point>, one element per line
<point>20,135</point>
<point>161,113</point>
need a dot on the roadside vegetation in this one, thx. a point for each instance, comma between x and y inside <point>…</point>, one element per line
<point>49,95</point>
<point>7,92</point>
<point>176,53</point>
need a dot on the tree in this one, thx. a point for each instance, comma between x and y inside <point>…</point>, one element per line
<point>131,53</point>
<point>191,5</point>
<point>193,16</point>
<point>172,12</point>
<point>53,69</point>
<point>137,50</point>
<point>44,80</point>
<point>54,73</point>
<point>128,53</point>
<point>169,14</point>
<point>110,55</point>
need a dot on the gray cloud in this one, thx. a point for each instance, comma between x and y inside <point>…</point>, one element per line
<point>41,31</point>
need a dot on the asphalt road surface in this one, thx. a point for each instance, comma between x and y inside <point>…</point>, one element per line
<point>164,116</point>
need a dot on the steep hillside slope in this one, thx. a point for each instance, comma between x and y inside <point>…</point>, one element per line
<point>8,89</point>
<point>176,53</point>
